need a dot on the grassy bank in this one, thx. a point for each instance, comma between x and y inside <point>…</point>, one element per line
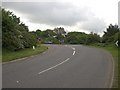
<point>114,51</point>
<point>12,55</point>
<point>0,55</point>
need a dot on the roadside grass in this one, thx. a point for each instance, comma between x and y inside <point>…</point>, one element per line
<point>0,55</point>
<point>114,50</point>
<point>12,55</point>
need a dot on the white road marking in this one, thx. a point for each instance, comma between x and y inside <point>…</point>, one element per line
<point>73,52</point>
<point>57,64</point>
<point>54,66</point>
<point>66,45</point>
<point>73,48</point>
<point>17,81</point>
<point>112,72</point>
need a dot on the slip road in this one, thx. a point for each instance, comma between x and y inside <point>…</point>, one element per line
<point>62,66</point>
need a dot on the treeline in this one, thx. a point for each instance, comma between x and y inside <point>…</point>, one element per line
<point>16,35</point>
<point>59,36</point>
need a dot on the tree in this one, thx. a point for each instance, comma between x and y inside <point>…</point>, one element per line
<point>59,31</point>
<point>93,38</point>
<point>76,38</point>
<point>15,35</point>
<point>109,34</point>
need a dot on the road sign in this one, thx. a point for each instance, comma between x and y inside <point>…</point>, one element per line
<point>116,43</point>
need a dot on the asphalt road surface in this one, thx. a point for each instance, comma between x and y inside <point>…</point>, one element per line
<point>62,66</point>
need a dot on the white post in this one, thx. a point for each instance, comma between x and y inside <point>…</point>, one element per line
<point>33,47</point>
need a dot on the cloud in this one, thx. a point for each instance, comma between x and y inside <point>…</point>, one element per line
<point>57,13</point>
<point>94,25</point>
<point>52,13</point>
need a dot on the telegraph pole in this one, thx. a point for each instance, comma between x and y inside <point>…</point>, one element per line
<point>119,14</point>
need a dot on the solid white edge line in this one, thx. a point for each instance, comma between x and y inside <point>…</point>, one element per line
<point>113,71</point>
<point>53,66</point>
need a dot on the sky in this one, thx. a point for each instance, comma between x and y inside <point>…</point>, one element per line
<point>74,15</point>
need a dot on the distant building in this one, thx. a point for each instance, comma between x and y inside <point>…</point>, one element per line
<point>39,39</point>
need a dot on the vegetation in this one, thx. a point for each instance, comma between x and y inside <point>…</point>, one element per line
<point>17,40</point>
<point>109,35</point>
<point>113,49</point>
<point>16,35</point>
<point>109,39</point>
<point>9,55</point>
<point>55,36</point>
<point>59,36</point>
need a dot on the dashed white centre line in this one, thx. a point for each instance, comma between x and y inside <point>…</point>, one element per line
<point>54,66</point>
<point>57,64</point>
<point>73,52</point>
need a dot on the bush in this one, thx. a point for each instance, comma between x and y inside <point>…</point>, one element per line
<point>16,35</point>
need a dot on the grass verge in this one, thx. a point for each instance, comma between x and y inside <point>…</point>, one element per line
<point>12,55</point>
<point>114,51</point>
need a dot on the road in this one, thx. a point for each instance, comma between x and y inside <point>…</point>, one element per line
<point>62,66</point>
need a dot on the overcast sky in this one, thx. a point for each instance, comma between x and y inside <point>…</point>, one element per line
<point>74,15</point>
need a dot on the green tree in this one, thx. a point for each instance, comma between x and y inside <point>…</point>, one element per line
<point>93,38</point>
<point>15,35</point>
<point>76,38</point>
<point>110,32</point>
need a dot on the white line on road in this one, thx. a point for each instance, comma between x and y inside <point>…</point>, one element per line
<point>73,48</point>
<point>54,66</point>
<point>73,52</point>
<point>17,81</point>
<point>111,84</point>
<point>66,45</point>
<point>57,64</point>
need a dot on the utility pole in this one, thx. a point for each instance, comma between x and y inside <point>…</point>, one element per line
<point>119,14</point>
